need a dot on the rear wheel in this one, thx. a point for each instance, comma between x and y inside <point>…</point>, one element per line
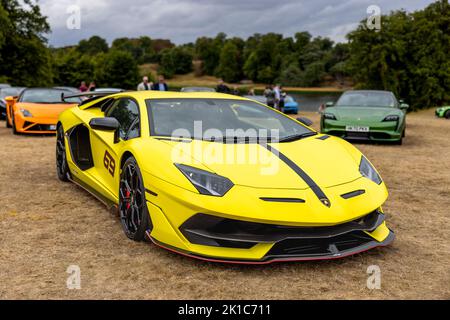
<point>447,114</point>
<point>133,210</point>
<point>62,168</point>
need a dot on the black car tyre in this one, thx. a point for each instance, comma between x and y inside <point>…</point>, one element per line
<point>62,168</point>
<point>14,125</point>
<point>447,114</point>
<point>133,211</point>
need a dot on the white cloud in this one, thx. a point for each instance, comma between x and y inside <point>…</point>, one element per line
<point>185,20</point>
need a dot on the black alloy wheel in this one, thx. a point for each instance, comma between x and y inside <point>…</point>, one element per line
<point>133,210</point>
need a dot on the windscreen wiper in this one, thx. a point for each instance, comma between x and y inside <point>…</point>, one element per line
<point>296,137</point>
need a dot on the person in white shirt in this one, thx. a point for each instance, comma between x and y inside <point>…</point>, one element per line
<point>145,85</point>
<point>277,91</point>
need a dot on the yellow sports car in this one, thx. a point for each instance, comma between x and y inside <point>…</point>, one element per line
<point>222,178</point>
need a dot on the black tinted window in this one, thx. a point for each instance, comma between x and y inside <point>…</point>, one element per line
<point>126,111</point>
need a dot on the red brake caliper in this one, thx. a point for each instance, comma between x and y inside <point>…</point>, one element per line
<point>127,194</point>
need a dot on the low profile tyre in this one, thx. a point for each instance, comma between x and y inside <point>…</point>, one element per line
<point>14,125</point>
<point>399,142</point>
<point>62,168</point>
<point>447,114</point>
<point>133,210</point>
<point>7,122</point>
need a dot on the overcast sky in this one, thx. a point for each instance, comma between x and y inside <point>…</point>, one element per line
<point>183,21</point>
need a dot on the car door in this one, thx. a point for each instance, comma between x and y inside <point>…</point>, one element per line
<point>106,152</point>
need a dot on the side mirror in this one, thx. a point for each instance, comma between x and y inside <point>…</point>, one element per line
<point>329,104</point>
<point>10,99</point>
<point>106,124</point>
<point>305,121</point>
<point>404,106</point>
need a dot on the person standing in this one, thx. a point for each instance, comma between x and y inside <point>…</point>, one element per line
<point>161,85</point>
<point>222,87</point>
<point>92,86</point>
<point>145,85</point>
<point>270,96</point>
<point>83,87</point>
<point>282,100</point>
<point>277,92</point>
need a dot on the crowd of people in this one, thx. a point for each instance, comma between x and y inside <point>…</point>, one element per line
<point>84,88</point>
<point>274,95</point>
<point>146,85</point>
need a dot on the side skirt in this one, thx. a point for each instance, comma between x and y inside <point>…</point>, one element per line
<point>107,202</point>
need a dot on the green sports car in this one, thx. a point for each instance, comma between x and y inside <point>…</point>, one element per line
<point>366,115</point>
<point>443,112</point>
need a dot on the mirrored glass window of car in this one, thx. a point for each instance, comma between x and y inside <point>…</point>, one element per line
<point>367,99</point>
<point>168,116</point>
<point>126,111</point>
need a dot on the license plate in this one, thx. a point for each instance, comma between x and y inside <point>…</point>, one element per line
<point>357,129</point>
<point>52,127</point>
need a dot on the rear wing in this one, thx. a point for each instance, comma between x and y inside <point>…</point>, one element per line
<point>91,95</point>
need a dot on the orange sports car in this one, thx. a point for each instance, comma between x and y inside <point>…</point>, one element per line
<point>36,110</point>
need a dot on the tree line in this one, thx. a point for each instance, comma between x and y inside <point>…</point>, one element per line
<point>409,55</point>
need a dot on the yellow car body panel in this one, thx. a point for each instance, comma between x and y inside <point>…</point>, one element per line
<point>172,199</point>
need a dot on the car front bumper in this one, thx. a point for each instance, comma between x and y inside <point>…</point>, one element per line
<point>35,125</point>
<point>383,131</point>
<point>186,223</point>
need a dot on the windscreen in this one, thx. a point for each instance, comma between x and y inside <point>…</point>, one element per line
<point>50,96</point>
<point>367,99</point>
<point>203,118</point>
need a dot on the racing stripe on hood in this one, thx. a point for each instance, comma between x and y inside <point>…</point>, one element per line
<point>309,181</point>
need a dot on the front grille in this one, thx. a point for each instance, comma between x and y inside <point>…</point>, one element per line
<point>215,231</point>
<point>357,135</point>
<point>319,247</point>
<point>37,127</point>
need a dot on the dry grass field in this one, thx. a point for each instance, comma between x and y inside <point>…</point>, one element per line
<point>46,225</point>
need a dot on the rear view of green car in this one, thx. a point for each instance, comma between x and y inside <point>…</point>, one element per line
<point>443,112</point>
<point>366,115</point>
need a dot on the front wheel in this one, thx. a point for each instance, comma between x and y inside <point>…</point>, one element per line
<point>133,210</point>
<point>8,125</point>
<point>62,168</point>
<point>447,114</point>
<point>399,142</point>
<point>14,125</point>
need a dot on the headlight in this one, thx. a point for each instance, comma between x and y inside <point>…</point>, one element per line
<point>329,116</point>
<point>26,113</point>
<point>391,118</point>
<point>368,171</point>
<point>206,182</point>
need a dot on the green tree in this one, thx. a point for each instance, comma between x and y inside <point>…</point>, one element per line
<point>175,61</point>
<point>117,69</point>
<point>94,45</point>
<point>409,55</point>
<point>230,66</point>
<point>24,56</point>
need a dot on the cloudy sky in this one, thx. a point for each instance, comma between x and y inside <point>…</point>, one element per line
<point>183,21</point>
